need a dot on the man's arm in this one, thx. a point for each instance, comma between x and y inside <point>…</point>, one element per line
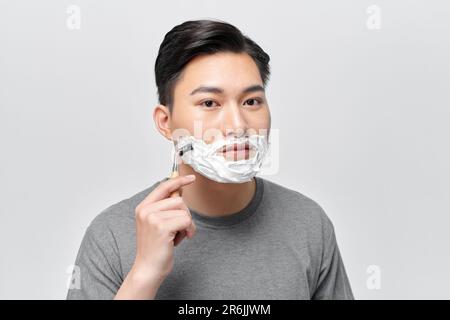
<point>333,283</point>
<point>98,264</point>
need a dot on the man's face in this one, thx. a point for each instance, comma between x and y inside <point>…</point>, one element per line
<point>220,95</point>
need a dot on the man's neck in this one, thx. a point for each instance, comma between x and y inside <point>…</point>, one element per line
<point>213,198</point>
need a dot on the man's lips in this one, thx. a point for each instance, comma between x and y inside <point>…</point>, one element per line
<point>236,147</point>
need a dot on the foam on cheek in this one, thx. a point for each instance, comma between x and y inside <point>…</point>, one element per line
<point>205,160</point>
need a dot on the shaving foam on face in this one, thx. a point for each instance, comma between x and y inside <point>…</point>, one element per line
<point>206,160</point>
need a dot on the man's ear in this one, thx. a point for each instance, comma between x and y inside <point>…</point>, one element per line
<point>161,116</point>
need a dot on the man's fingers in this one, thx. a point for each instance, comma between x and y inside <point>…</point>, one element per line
<point>177,214</point>
<point>179,237</point>
<point>162,203</point>
<point>166,204</point>
<point>180,223</point>
<point>164,189</point>
<point>171,214</point>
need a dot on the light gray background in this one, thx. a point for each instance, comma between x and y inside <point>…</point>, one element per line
<point>363,119</point>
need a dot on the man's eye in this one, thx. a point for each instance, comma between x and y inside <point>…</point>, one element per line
<point>252,102</point>
<point>208,103</point>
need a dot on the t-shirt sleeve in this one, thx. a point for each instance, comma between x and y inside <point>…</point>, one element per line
<point>97,273</point>
<point>333,283</point>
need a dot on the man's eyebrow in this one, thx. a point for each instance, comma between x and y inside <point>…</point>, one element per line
<point>254,88</point>
<point>207,89</point>
<point>217,90</point>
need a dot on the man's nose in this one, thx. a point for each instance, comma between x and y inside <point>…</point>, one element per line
<point>234,122</point>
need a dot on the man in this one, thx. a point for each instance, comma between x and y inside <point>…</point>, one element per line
<point>228,235</point>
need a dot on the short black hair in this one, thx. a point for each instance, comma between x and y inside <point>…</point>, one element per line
<point>199,37</point>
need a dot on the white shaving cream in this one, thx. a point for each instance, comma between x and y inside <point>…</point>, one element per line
<point>206,160</point>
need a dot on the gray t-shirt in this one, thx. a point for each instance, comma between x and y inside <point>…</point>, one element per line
<point>282,245</point>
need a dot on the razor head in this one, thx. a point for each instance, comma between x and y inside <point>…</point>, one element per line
<point>182,150</point>
<point>185,149</point>
<point>179,151</point>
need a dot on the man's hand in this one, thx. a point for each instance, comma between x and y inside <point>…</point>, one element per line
<point>159,218</point>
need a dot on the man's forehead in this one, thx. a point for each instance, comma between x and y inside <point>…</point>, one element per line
<point>225,71</point>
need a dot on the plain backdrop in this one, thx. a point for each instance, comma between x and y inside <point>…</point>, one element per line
<point>362,115</point>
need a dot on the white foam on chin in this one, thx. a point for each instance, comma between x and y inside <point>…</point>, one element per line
<point>205,160</point>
